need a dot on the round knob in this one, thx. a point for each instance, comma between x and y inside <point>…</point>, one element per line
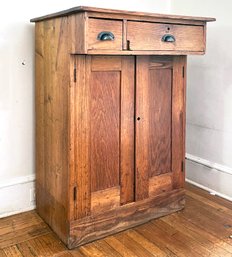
<point>138,118</point>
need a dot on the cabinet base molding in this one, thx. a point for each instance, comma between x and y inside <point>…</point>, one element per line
<point>104,224</point>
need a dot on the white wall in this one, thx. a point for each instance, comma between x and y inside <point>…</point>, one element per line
<point>17,91</point>
<point>209,98</point>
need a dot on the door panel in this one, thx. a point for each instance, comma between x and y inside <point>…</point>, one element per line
<point>104,122</point>
<point>159,133</point>
<point>159,125</point>
<point>104,116</point>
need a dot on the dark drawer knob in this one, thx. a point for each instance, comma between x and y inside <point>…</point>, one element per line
<point>168,38</point>
<point>105,36</point>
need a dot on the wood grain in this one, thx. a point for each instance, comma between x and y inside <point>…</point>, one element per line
<point>16,229</point>
<point>52,123</point>
<point>118,219</point>
<point>95,26</point>
<point>82,138</point>
<point>107,63</point>
<point>2,254</point>
<point>124,16</point>
<point>121,12</point>
<point>127,132</point>
<point>106,249</point>
<point>13,251</point>
<point>178,121</point>
<point>160,123</point>
<point>143,53</point>
<point>147,36</point>
<point>154,125</point>
<point>104,140</point>
<point>136,249</point>
<point>201,237</point>
<point>104,124</point>
<point>72,211</point>
<point>91,250</point>
<point>105,200</point>
<point>181,241</point>
<point>160,184</point>
<point>84,24</point>
<point>110,129</point>
<point>47,245</point>
<point>199,230</point>
<point>141,128</point>
<point>119,247</point>
<point>77,27</point>
<point>139,239</point>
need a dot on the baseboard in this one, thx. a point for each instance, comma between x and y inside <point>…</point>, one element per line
<point>212,177</point>
<point>17,195</point>
<point>209,164</point>
<point>211,191</point>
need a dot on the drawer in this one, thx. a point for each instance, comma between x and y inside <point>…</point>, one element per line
<point>104,34</point>
<point>165,37</point>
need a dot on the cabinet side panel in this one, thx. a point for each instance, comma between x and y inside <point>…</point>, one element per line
<point>39,108</point>
<point>52,85</point>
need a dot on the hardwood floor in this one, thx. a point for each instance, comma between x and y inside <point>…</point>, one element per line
<point>203,228</point>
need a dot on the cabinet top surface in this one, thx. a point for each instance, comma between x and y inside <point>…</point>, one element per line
<point>122,12</point>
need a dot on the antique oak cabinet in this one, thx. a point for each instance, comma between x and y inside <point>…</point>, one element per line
<point>110,118</point>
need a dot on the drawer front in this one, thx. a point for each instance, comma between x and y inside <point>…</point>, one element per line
<point>165,37</point>
<point>104,34</point>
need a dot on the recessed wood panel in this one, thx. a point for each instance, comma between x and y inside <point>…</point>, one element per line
<point>105,115</point>
<point>105,200</point>
<point>160,108</point>
<point>160,184</point>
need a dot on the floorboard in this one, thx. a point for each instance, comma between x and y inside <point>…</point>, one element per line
<point>203,228</point>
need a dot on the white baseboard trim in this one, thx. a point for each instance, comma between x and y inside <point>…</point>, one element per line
<point>17,181</point>
<point>7,214</point>
<point>212,177</point>
<point>16,195</point>
<point>209,164</point>
<point>211,191</point>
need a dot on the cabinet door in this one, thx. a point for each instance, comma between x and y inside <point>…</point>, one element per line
<point>160,112</point>
<point>102,128</point>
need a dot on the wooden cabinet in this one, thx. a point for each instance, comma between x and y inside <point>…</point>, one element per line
<point>110,118</point>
